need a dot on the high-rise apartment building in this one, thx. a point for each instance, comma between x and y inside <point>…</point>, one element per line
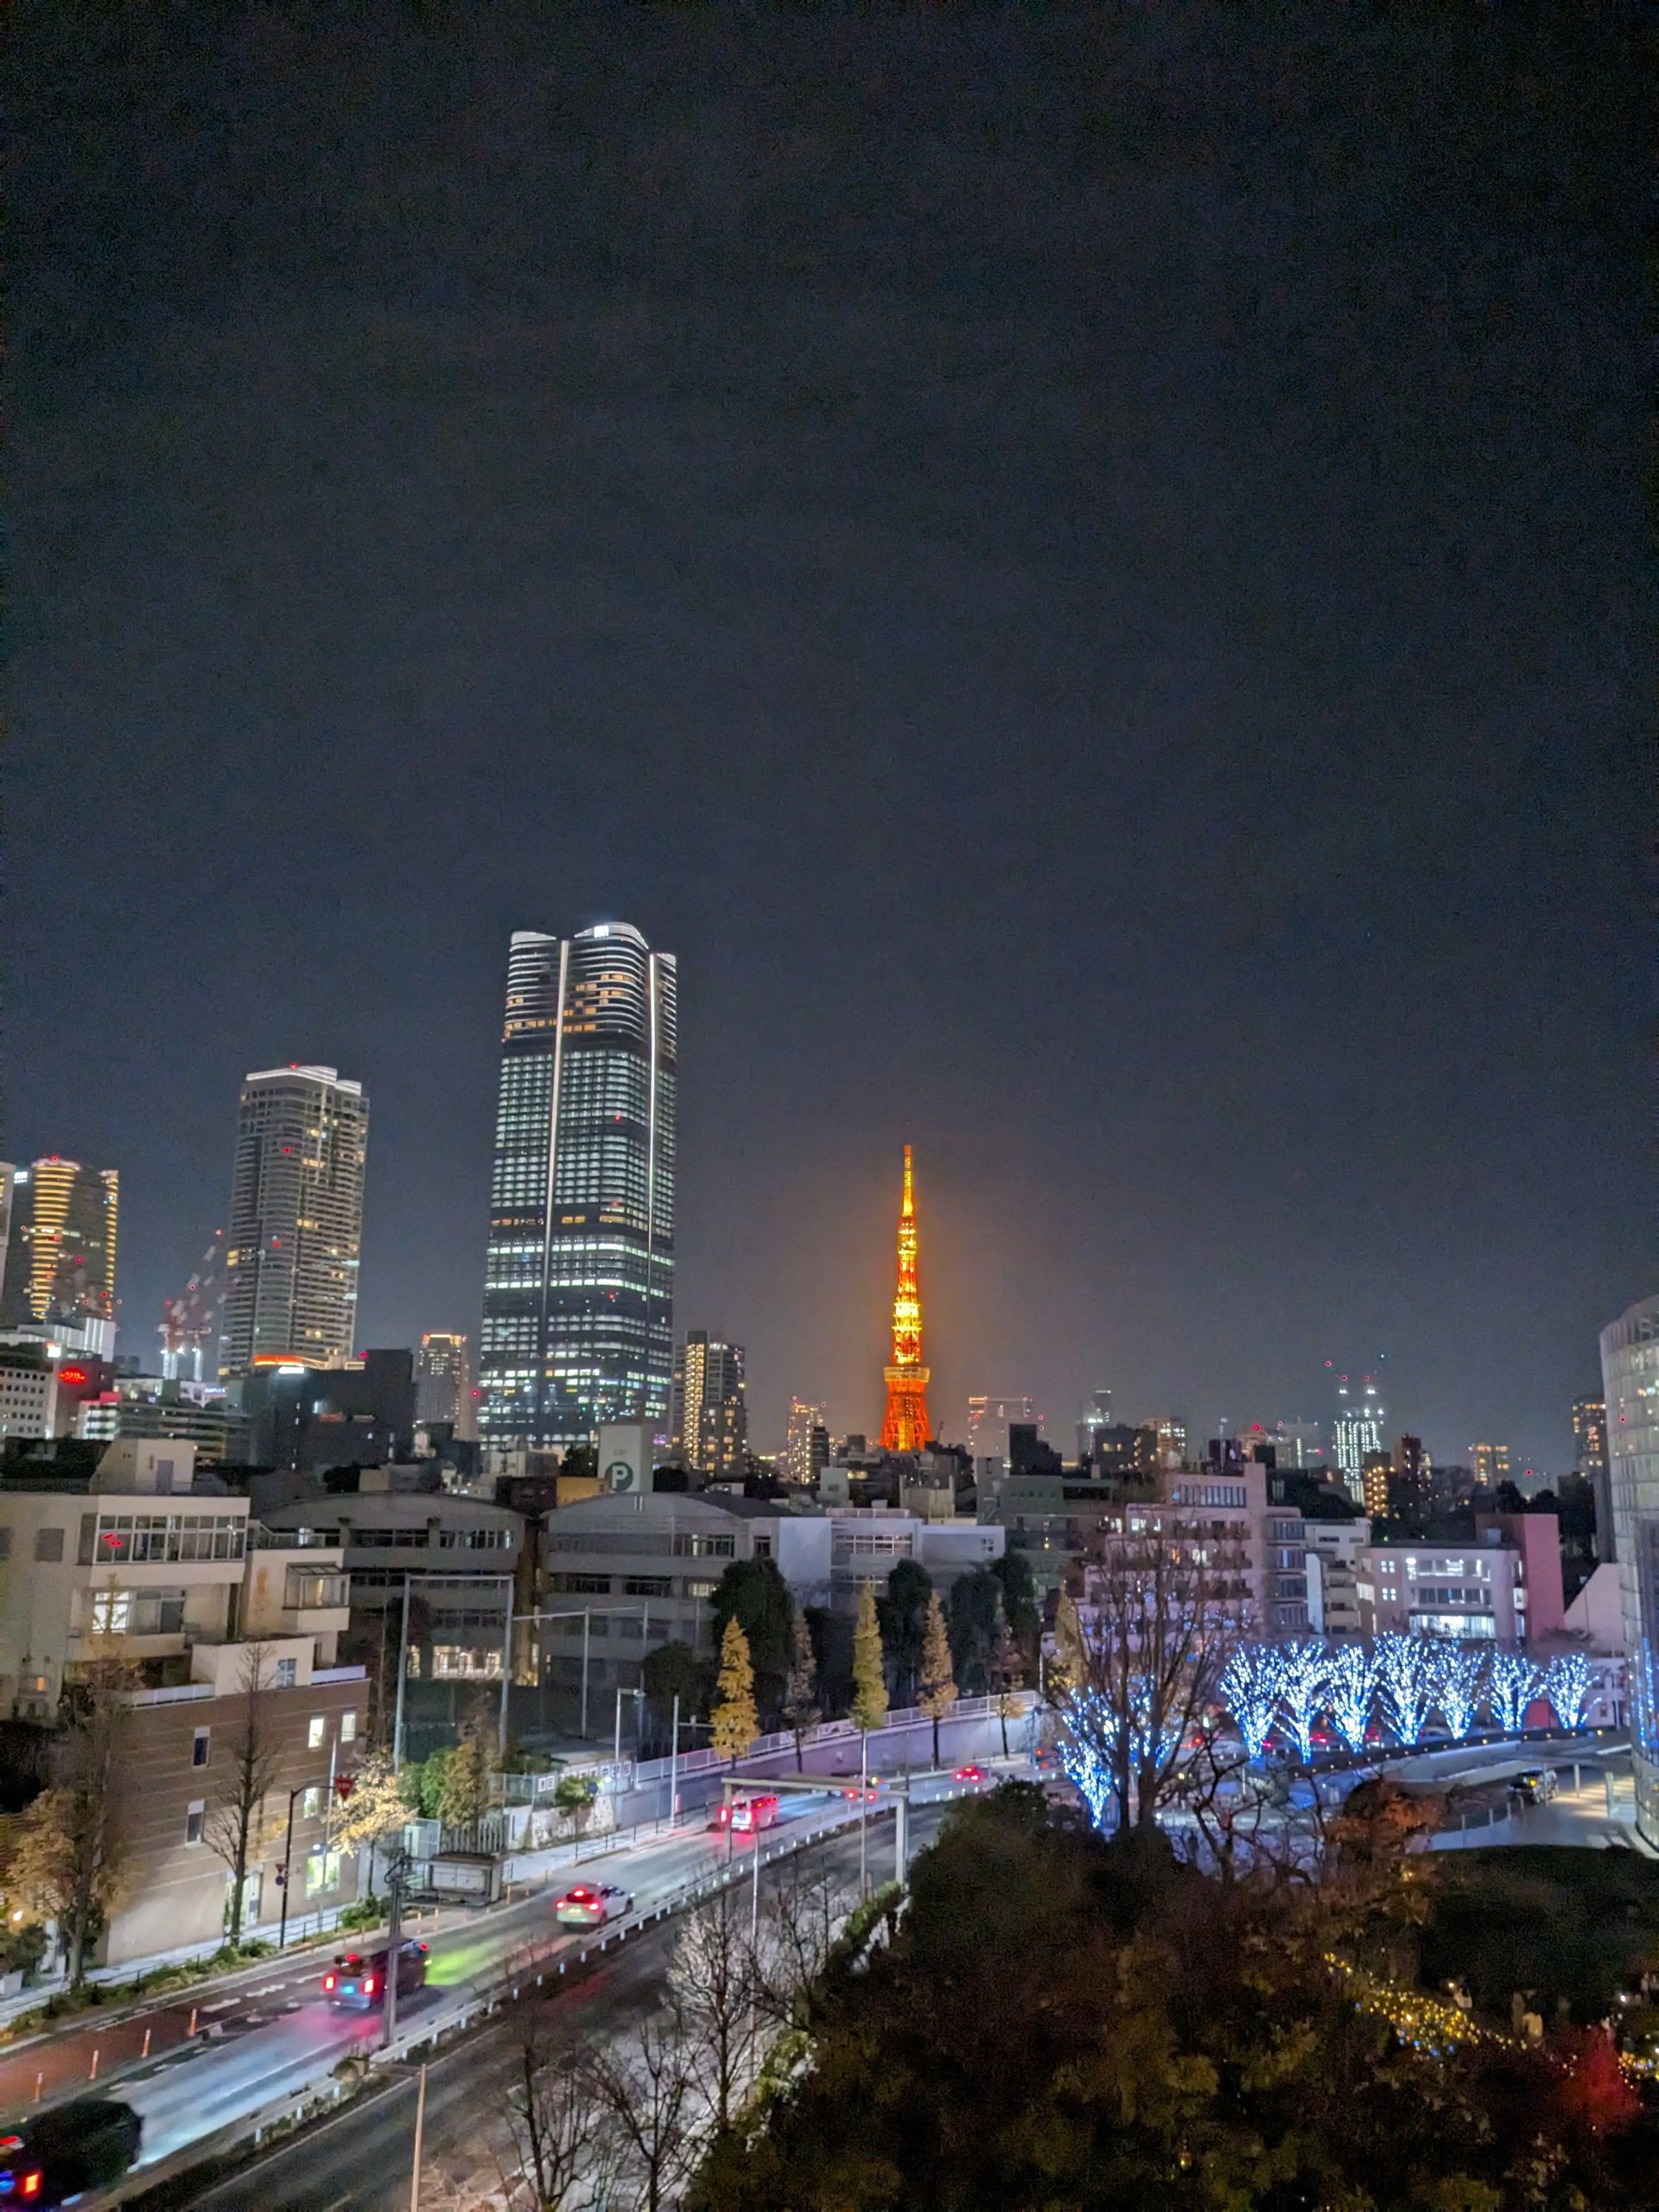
<point>444,1383</point>
<point>1490,1463</point>
<point>296,1220</point>
<point>579,1282</point>
<point>806,1447</point>
<point>709,1422</point>
<point>1590,1456</point>
<point>60,1264</point>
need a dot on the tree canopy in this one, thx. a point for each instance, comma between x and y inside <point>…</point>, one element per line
<point>901,1610</point>
<point>1057,2021</point>
<point>754,1593</point>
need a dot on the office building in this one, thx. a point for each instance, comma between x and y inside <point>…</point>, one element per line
<point>990,1417</point>
<point>164,1407</point>
<point>444,1383</point>
<point>296,1221</point>
<point>60,1261</point>
<point>357,1413</point>
<point>1171,1433</point>
<point>1357,1431</point>
<point>1095,1416</point>
<point>806,1447</point>
<point>28,1390</point>
<point>906,1426</point>
<point>1504,1586</point>
<point>1376,1484</point>
<point>1629,1372</point>
<point>710,1418</point>
<point>579,1283</point>
<point>1490,1463</point>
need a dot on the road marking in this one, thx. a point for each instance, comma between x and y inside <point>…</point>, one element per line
<point>221,2004</point>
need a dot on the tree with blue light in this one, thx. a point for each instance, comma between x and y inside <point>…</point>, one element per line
<point>1305,1667</point>
<point>1252,1684</point>
<point>1457,1671</point>
<point>1568,1685</point>
<point>1352,1689</point>
<point>1512,1682</point>
<point>1404,1684</point>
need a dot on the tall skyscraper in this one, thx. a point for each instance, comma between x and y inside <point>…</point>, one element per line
<point>906,1426</point>
<point>709,1422</point>
<point>60,1252</point>
<point>1630,1373</point>
<point>1590,1436</point>
<point>296,1220</point>
<point>443,1382</point>
<point>1357,1432</point>
<point>579,1283</point>
<point>806,1447</point>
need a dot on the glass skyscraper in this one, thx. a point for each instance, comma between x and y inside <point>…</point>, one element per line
<point>579,1284</point>
<point>296,1220</point>
<point>1630,1373</point>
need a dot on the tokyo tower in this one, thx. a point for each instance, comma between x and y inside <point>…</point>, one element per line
<point>907,1427</point>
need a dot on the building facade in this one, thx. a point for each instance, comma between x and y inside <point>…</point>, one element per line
<point>806,1447</point>
<point>579,1281</point>
<point>709,1423</point>
<point>28,1391</point>
<point>1629,1372</point>
<point>444,1383</point>
<point>1490,1463</point>
<point>1333,1551</point>
<point>59,1258</point>
<point>1358,1431</point>
<point>296,1220</point>
<point>157,1405</point>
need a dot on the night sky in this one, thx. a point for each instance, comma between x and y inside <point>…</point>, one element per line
<point>1082,568</point>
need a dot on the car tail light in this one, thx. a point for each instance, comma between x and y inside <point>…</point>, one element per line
<point>31,2185</point>
<point>723,1815</point>
<point>368,1987</point>
<point>329,1980</point>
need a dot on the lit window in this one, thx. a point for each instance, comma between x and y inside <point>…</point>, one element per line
<point>311,1803</point>
<point>196,1817</point>
<point>315,1732</point>
<point>348,1727</point>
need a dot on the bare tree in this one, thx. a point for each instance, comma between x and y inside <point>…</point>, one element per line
<point>644,2090</point>
<point>713,1980</point>
<point>560,2144</point>
<point>253,1757</point>
<point>803,1912</point>
<point>68,1856</point>
<point>1161,1612</point>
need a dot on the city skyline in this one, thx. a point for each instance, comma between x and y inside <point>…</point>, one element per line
<point>1079,639</point>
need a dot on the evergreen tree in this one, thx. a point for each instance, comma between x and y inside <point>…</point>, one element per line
<point>464,1790</point>
<point>1009,1674</point>
<point>736,1723</point>
<point>901,1611</point>
<point>801,1689</point>
<point>938,1682</point>
<point>869,1680</point>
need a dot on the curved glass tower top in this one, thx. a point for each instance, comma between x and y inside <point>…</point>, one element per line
<point>579,1285</point>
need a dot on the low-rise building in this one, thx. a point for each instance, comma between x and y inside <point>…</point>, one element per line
<point>1503,1585</point>
<point>140,1562</point>
<point>1332,1551</point>
<point>170,1410</point>
<point>28,1390</point>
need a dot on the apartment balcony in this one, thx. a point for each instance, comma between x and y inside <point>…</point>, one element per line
<point>315,1603</point>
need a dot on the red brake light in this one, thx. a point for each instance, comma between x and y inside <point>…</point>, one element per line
<point>368,1987</point>
<point>328,1981</point>
<point>31,2185</point>
<point>12,2142</point>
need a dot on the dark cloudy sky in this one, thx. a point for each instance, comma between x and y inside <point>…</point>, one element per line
<point>1081,566</point>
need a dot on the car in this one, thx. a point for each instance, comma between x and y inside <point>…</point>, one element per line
<point>971,1775</point>
<point>66,2149</point>
<point>590,1905</point>
<point>1537,1788</point>
<point>357,1980</point>
<point>852,1793</point>
<point>746,1814</point>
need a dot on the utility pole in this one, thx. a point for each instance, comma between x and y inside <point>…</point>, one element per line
<point>394,1936</point>
<point>403,1670</point>
<point>863,1814</point>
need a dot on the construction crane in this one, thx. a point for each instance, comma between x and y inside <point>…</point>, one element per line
<point>191,1321</point>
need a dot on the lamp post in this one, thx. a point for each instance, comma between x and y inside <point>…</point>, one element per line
<point>584,1614</point>
<point>287,1858</point>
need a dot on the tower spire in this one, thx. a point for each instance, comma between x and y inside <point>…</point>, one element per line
<point>907,1427</point>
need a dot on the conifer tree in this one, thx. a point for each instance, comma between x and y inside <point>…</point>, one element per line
<point>736,1724</point>
<point>801,1709</point>
<point>938,1691</point>
<point>869,1680</point>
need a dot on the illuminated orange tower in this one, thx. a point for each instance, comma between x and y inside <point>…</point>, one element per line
<point>907,1427</point>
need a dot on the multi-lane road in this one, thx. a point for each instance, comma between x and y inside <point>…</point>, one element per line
<point>273,2033</point>
<point>360,2161</point>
